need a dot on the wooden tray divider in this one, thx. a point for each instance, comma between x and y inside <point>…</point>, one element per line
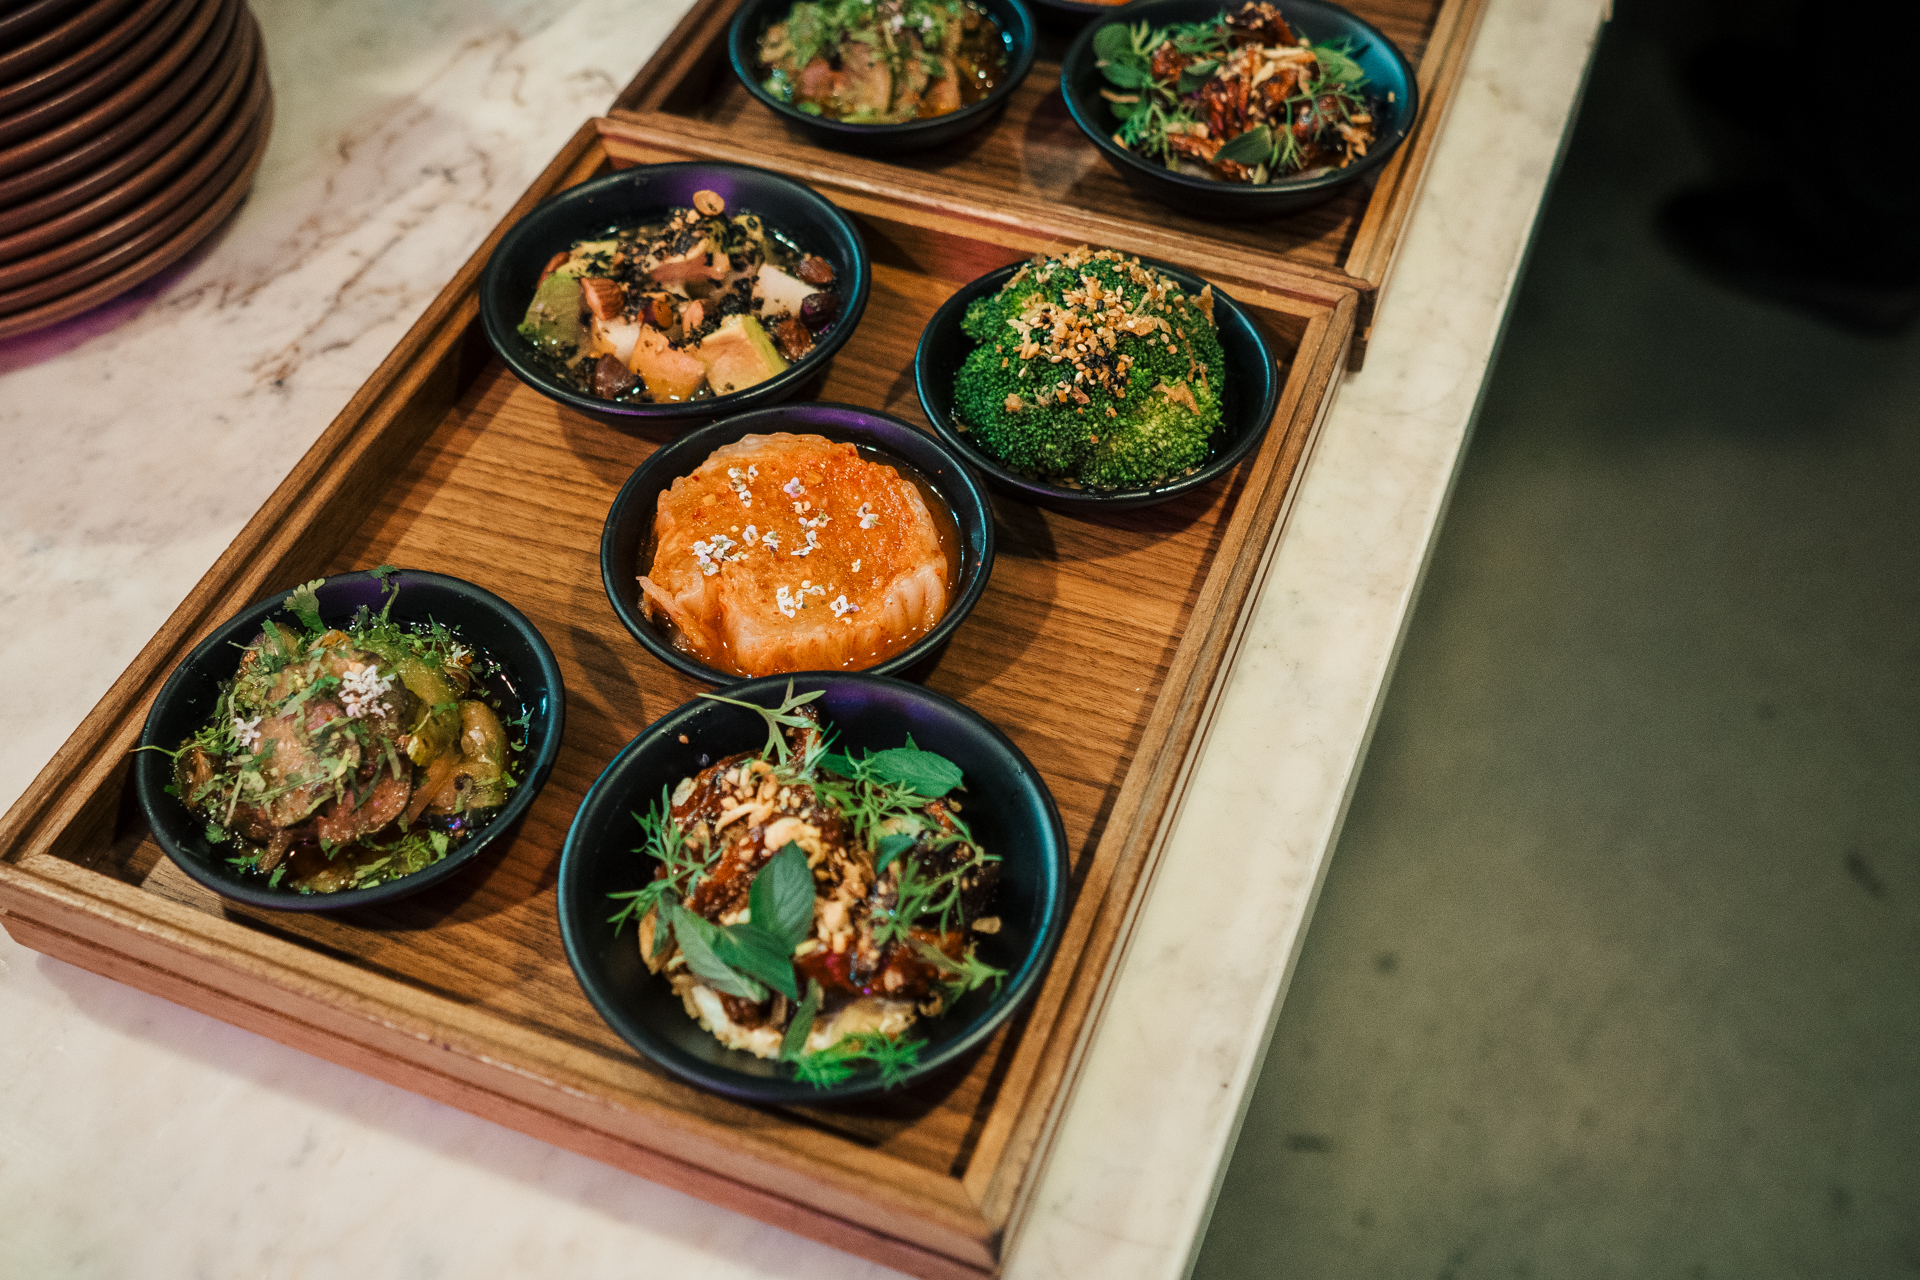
<point>81,880</point>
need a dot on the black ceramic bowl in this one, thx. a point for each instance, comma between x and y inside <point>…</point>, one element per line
<point>630,520</point>
<point>1007,804</point>
<point>743,48</point>
<point>1252,394</point>
<point>645,193</point>
<point>1065,17</point>
<point>484,621</point>
<point>1316,20</point>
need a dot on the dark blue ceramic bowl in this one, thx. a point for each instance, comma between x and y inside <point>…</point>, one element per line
<point>1007,804</point>
<point>743,49</point>
<point>1252,394</point>
<point>630,521</point>
<point>484,621</point>
<point>1316,20</point>
<point>646,193</point>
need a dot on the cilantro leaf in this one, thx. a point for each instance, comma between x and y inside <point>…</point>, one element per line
<point>780,903</point>
<point>923,772</point>
<point>305,605</point>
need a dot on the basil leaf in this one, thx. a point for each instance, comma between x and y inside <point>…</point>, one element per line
<point>1337,66</point>
<point>890,848</point>
<point>780,902</point>
<point>756,953</point>
<point>923,772</point>
<point>1113,43</point>
<point>794,1043</point>
<point>1254,146</point>
<point>1127,75</point>
<point>697,937</point>
<point>1123,110</point>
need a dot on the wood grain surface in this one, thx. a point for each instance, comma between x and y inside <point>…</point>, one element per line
<point>1035,154</point>
<point>60,215</point>
<point>462,992</point>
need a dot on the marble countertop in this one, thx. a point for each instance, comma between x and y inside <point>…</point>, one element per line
<point>139,1138</point>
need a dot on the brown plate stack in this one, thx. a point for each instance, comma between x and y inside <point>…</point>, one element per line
<point>128,130</point>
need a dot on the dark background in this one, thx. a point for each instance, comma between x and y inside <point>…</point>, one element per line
<point>1617,967</point>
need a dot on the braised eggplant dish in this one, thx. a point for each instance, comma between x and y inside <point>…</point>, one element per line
<point>810,906</point>
<point>882,61</point>
<point>702,304</point>
<point>342,758</point>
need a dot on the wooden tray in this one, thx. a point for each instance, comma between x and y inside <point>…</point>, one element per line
<point>462,993</point>
<point>1035,156</point>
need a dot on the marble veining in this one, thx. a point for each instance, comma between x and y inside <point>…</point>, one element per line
<point>139,1138</point>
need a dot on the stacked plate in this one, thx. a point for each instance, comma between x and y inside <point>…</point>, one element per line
<point>128,130</point>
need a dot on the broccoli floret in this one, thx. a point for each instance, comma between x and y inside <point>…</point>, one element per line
<point>1165,438</point>
<point>1092,370</point>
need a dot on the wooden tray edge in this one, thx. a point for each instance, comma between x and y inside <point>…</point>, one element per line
<point>64,803</point>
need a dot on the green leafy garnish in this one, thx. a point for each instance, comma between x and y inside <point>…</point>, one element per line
<point>1160,117</point>
<point>794,1044</point>
<point>304,604</point>
<point>783,716</point>
<point>829,1066</point>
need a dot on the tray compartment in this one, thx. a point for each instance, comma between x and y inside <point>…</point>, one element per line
<point>462,992</point>
<point>1035,154</point>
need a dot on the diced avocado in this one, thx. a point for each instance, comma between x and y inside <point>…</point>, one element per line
<point>739,354</point>
<point>553,321</point>
<point>671,374</point>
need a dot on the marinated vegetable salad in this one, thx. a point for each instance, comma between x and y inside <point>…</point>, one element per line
<point>862,62</point>
<point>703,304</point>
<point>810,906</point>
<point>346,758</point>
<point>1093,371</point>
<point>1237,98</point>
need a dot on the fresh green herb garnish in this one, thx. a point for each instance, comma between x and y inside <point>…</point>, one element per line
<point>829,1066</point>
<point>1168,117</point>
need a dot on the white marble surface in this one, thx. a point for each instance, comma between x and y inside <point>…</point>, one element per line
<point>138,1138</point>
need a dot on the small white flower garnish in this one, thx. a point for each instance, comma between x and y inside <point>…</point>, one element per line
<point>712,553</point>
<point>813,542</point>
<point>751,534</point>
<point>740,489</point>
<point>770,539</point>
<point>793,488</point>
<point>842,607</point>
<point>783,600</point>
<point>247,731</point>
<point>361,689</point>
<point>856,566</point>
<point>868,516</point>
